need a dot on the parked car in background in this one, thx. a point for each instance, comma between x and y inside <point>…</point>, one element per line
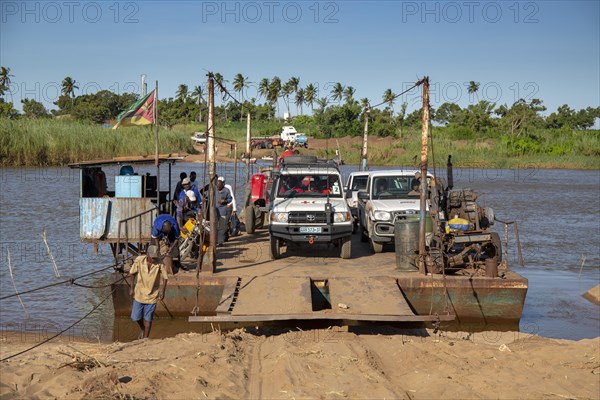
<point>199,137</point>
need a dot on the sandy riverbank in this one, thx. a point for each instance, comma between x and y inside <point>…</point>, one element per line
<point>330,364</point>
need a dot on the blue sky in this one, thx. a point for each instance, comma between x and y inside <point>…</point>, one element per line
<point>531,49</point>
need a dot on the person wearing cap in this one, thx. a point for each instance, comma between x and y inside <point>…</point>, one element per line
<point>165,235</point>
<point>187,185</point>
<point>222,200</point>
<point>187,207</point>
<point>145,289</point>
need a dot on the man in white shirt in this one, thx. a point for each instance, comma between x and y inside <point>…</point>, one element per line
<point>232,206</point>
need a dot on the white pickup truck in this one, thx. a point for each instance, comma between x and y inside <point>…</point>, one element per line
<point>387,197</point>
<point>308,206</point>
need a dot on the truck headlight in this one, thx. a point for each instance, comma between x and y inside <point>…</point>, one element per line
<point>382,215</point>
<point>342,217</point>
<point>279,217</point>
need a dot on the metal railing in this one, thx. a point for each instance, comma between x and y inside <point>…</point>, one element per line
<point>153,213</point>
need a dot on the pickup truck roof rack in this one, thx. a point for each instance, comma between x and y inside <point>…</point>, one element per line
<point>306,161</point>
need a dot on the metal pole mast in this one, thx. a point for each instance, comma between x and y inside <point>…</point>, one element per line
<point>424,188</point>
<point>156,150</point>
<point>209,267</point>
<point>248,147</point>
<point>365,140</point>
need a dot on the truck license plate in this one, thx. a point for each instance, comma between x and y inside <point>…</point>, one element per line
<point>310,229</point>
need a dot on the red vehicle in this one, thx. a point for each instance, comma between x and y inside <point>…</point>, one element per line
<point>257,199</point>
<point>266,143</point>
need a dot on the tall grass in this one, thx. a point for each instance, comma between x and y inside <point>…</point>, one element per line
<point>26,142</point>
<point>42,142</point>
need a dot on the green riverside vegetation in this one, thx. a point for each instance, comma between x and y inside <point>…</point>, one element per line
<point>44,142</point>
<point>483,134</point>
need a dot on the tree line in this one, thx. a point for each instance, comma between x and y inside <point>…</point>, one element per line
<point>336,113</point>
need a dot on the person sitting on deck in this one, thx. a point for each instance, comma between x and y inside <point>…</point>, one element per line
<point>165,235</point>
<point>145,273</point>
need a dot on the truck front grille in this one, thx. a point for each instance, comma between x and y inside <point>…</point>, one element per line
<point>303,217</point>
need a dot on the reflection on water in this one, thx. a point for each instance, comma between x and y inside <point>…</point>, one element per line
<point>557,212</point>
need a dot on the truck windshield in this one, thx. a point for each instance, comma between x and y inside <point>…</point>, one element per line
<point>392,187</point>
<point>359,183</point>
<point>309,185</point>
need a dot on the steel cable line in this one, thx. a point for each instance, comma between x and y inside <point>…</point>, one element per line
<point>398,95</point>
<point>61,332</point>
<point>70,280</point>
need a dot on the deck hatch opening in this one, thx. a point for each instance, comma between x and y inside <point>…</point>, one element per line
<point>319,293</point>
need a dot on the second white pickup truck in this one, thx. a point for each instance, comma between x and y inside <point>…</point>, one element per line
<point>387,198</point>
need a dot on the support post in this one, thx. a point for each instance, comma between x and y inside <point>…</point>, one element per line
<point>365,140</point>
<point>156,150</point>
<point>248,145</point>
<point>209,267</point>
<point>424,188</point>
<point>234,168</point>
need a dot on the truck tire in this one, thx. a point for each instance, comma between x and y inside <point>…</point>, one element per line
<point>269,145</point>
<point>364,235</point>
<point>275,248</point>
<point>376,247</point>
<point>346,247</point>
<point>249,219</point>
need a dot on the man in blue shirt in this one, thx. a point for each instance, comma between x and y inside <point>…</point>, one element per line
<point>165,235</point>
<point>186,183</point>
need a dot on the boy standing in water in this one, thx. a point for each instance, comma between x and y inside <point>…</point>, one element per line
<point>146,272</point>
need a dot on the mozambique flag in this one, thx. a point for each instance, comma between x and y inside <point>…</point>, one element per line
<point>140,113</point>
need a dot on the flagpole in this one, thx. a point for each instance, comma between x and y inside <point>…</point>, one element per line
<point>156,151</point>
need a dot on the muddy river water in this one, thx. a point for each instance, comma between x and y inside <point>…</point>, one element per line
<point>558,212</point>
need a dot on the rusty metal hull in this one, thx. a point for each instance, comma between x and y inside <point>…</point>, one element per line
<point>480,299</point>
<point>314,283</point>
<point>471,299</point>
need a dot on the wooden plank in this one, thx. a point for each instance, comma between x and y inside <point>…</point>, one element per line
<point>262,295</point>
<point>322,315</point>
<point>377,295</point>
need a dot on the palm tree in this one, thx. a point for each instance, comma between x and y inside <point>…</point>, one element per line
<point>68,87</point>
<point>322,102</point>
<point>295,82</point>
<point>221,83</point>
<point>182,92</point>
<point>349,94</point>
<point>389,97</point>
<point>299,100</point>
<point>337,92</point>
<point>239,84</point>
<point>473,87</point>
<point>5,76</point>
<point>364,102</point>
<point>263,88</point>
<point>309,95</point>
<point>274,92</point>
<point>198,94</point>
<point>286,91</point>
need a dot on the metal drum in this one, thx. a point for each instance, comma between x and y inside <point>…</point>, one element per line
<point>406,235</point>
